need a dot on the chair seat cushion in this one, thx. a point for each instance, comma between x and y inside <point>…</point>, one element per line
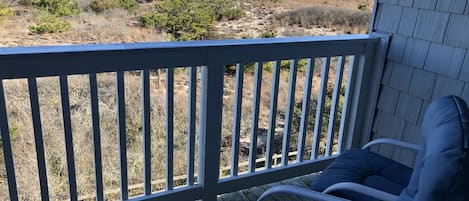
<point>367,168</point>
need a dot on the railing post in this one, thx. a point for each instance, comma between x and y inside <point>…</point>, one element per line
<point>364,92</point>
<point>210,129</point>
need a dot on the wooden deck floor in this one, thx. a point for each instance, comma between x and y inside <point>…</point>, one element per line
<point>253,194</point>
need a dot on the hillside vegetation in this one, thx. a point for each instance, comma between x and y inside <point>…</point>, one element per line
<point>55,22</point>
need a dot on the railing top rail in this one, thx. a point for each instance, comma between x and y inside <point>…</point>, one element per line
<point>175,45</point>
<point>23,62</point>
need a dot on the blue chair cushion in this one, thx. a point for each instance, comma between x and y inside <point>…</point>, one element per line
<point>367,168</point>
<point>441,171</point>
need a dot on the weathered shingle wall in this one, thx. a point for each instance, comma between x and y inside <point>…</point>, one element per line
<point>428,58</point>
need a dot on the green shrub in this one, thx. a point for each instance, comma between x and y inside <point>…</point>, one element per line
<point>102,5</point>
<point>190,19</point>
<point>59,7</point>
<point>363,7</point>
<point>224,10</point>
<point>183,20</point>
<point>130,5</point>
<point>47,23</point>
<point>268,34</point>
<point>5,13</point>
<point>14,131</point>
<point>27,2</point>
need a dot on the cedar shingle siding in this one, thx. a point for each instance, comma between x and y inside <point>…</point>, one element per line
<point>428,58</point>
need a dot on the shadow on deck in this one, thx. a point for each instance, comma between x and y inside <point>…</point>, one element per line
<point>252,194</point>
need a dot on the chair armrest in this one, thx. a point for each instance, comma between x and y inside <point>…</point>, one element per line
<point>300,192</point>
<point>392,142</point>
<point>362,189</point>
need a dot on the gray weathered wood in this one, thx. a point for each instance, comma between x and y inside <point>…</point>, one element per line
<point>416,52</point>
<point>401,77</point>
<point>396,48</point>
<point>408,108</point>
<point>445,60</point>
<point>431,25</point>
<point>427,4</point>
<point>408,21</point>
<point>423,84</point>
<point>458,25</point>
<point>388,18</point>
<point>445,86</point>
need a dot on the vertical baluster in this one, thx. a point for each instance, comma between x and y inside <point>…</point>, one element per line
<point>348,87</point>
<point>98,170</point>
<point>305,109</point>
<point>145,74</point>
<point>169,127</point>
<point>36,116</point>
<point>211,107</point>
<point>334,105</point>
<point>289,114</point>
<point>272,114</point>
<point>320,105</point>
<point>6,143</point>
<point>67,122</point>
<point>237,119</point>
<point>122,135</point>
<point>192,131</point>
<point>255,117</point>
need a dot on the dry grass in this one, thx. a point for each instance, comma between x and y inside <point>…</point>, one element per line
<point>23,142</point>
<point>295,4</point>
<point>49,96</point>
<point>351,21</point>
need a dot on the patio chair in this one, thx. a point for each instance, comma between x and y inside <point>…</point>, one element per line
<point>441,170</point>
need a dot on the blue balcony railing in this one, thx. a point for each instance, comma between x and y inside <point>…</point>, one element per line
<point>355,58</point>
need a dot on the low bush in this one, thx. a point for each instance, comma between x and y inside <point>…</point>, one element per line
<point>48,23</point>
<point>268,34</point>
<point>183,20</point>
<point>102,5</point>
<point>224,10</point>
<point>58,7</point>
<point>5,13</point>
<point>130,5</point>
<point>190,19</point>
<point>323,16</point>
<point>363,7</point>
